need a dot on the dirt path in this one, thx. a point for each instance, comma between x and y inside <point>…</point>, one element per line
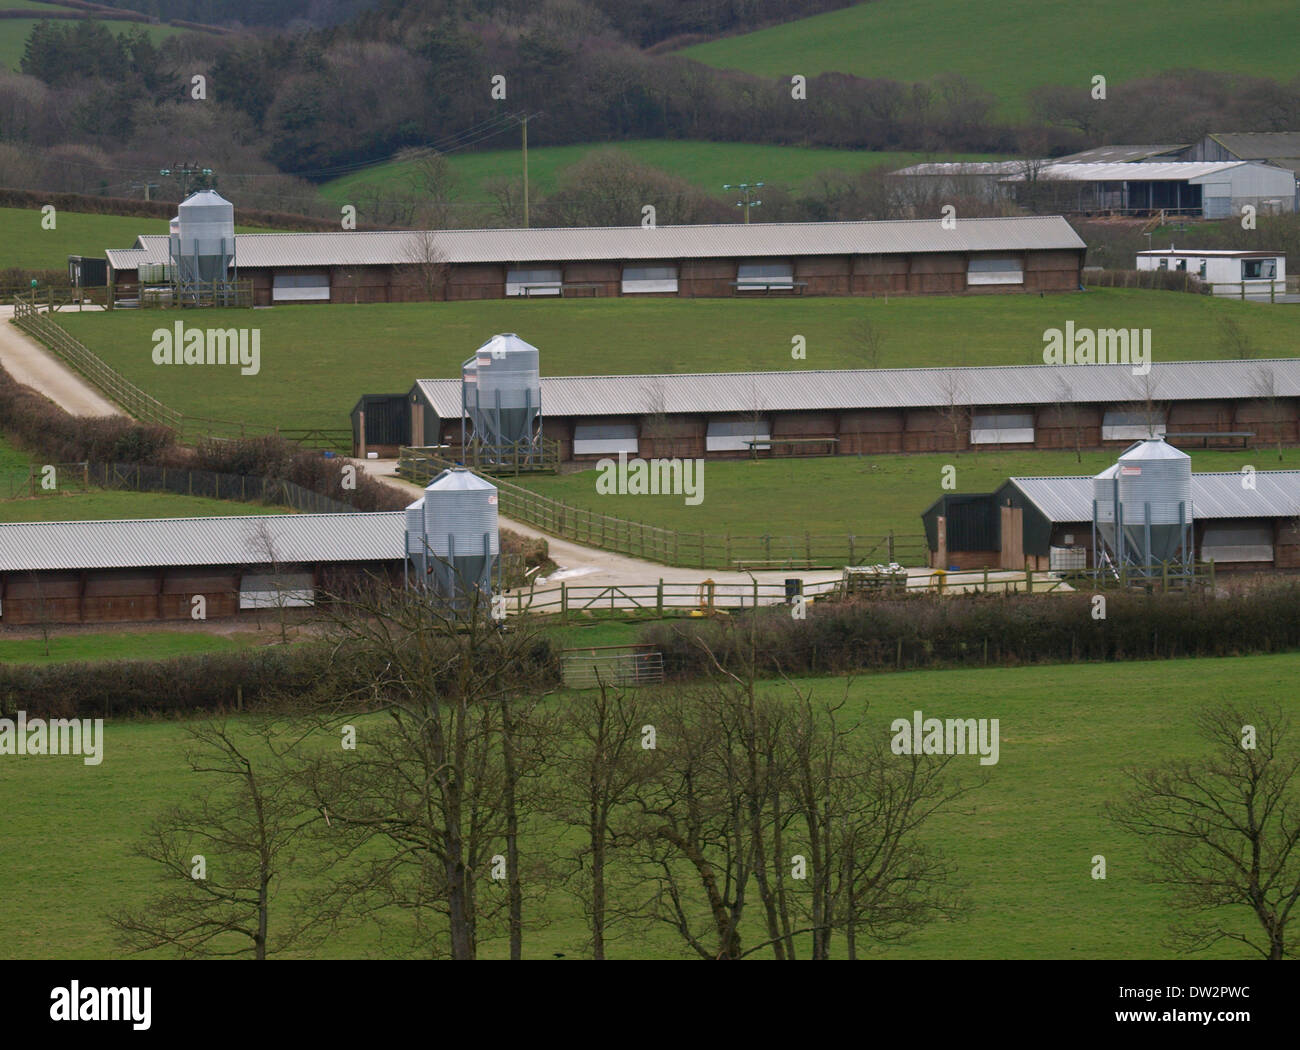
<point>583,566</point>
<point>34,366</point>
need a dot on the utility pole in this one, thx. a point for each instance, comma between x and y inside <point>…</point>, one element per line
<point>745,201</point>
<point>524,125</point>
<point>146,186</point>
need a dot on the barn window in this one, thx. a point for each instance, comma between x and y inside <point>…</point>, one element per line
<point>1237,541</point>
<point>1121,424</point>
<point>764,275</point>
<point>534,282</point>
<point>649,279</point>
<point>1002,428</point>
<point>283,591</point>
<point>995,270</point>
<point>734,435</point>
<point>591,439</point>
<point>300,287</point>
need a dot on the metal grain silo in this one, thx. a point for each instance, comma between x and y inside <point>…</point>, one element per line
<point>508,391</point>
<point>1142,509</point>
<point>469,417</point>
<point>205,243</point>
<point>415,540</point>
<point>460,534</point>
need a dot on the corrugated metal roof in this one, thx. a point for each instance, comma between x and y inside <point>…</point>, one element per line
<point>157,542</point>
<point>1260,145</point>
<point>723,240</point>
<point>1214,496</point>
<point>1118,154</point>
<point>967,167</point>
<point>888,388</point>
<point>1144,171</point>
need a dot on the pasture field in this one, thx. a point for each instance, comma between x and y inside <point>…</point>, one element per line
<point>116,504</point>
<point>867,495</point>
<point>1012,47</point>
<point>25,243</point>
<point>1021,845</point>
<point>707,165</point>
<point>316,360</point>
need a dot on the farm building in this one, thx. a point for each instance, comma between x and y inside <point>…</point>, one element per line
<point>1203,189</point>
<point>95,571</point>
<point>1249,274</point>
<point>1044,523</point>
<point>1279,148</point>
<point>736,414</point>
<point>1021,254</point>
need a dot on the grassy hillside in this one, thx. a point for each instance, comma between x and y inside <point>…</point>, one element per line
<point>867,495</point>
<point>705,164</point>
<point>100,505</point>
<point>1022,845</point>
<point>1013,46</point>
<point>25,243</point>
<point>316,360</point>
<point>15,31</point>
<point>122,645</point>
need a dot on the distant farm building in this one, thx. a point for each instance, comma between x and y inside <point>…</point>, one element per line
<point>915,257</point>
<point>738,414</point>
<point>1237,273</point>
<point>96,571</point>
<point>1278,148</point>
<point>1046,523</point>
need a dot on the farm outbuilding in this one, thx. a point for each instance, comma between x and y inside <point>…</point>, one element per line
<point>737,414</point>
<point>97,571</point>
<point>1046,523</point>
<point>1253,274</point>
<point>913,257</point>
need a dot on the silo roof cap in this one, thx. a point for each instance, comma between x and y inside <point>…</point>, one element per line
<point>206,198</point>
<point>459,479</point>
<point>1153,448</point>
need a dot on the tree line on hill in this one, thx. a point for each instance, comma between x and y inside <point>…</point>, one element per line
<point>94,111</point>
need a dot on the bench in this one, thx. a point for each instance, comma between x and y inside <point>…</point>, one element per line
<point>1206,435</point>
<point>756,443</point>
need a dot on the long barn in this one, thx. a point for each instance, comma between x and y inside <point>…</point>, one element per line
<point>732,414</point>
<point>913,257</point>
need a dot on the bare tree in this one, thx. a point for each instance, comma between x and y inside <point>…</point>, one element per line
<point>264,543</point>
<point>1265,388</point>
<point>1234,340</point>
<point>224,855</point>
<point>1224,831</point>
<point>427,263</point>
<point>507,193</point>
<point>599,761</point>
<point>433,180</point>
<point>440,785</point>
<point>866,342</point>
<point>955,410</point>
<point>1071,416</point>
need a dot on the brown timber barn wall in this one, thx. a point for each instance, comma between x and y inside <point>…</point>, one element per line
<point>119,595</point>
<point>671,437</point>
<point>706,278</point>
<point>1060,271</point>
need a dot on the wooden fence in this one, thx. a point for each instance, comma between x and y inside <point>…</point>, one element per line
<point>670,547</point>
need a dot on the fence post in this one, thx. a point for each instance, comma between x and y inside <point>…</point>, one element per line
<point>659,597</point>
<point>564,602</point>
<point>1029,581</point>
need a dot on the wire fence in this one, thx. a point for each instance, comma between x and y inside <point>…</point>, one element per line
<point>34,314</point>
<point>71,478</point>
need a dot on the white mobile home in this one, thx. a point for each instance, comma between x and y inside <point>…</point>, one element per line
<point>1235,273</point>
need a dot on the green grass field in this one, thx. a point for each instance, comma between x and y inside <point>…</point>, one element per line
<point>1023,844</point>
<point>317,360</point>
<point>124,645</point>
<point>707,165</point>
<point>15,31</point>
<point>113,505</point>
<point>867,496</point>
<point>1012,47</point>
<point>26,243</point>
